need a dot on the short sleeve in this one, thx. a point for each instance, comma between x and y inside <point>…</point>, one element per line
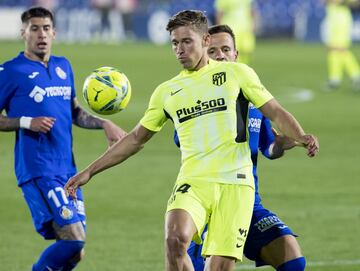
<point>252,88</point>
<point>154,118</point>
<point>7,88</point>
<point>72,81</point>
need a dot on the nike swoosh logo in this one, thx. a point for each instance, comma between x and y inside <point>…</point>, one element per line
<point>238,246</point>
<point>282,227</point>
<point>174,92</point>
<point>48,268</point>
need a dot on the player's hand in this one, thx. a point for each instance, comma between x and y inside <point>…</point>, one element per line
<point>311,143</point>
<point>42,124</point>
<point>75,182</point>
<point>113,132</point>
<point>284,142</point>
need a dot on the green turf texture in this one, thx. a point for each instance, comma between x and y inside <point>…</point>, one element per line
<point>318,198</point>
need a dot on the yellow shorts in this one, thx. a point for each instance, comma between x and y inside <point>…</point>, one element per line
<point>226,208</point>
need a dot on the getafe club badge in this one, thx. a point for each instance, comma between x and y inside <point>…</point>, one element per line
<point>66,213</point>
<point>60,73</point>
<point>219,78</point>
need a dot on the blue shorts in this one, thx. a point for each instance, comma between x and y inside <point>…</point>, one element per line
<point>264,228</point>
<point>47,202</point>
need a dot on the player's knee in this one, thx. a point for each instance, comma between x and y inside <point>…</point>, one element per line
<point>297,264</point>
<point>176,246</point>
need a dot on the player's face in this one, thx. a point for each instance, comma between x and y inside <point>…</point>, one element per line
<point>222,47</point>
<point>38,35</point>
<point>190,47</point>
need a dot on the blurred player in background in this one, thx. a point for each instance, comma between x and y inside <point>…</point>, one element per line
<point>238,14</point>
<point>340,58</point>
<point>38,94</point>
<point>269,240</point>
<point>208,104</point>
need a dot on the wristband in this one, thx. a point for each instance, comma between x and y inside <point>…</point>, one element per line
<point>271,150</point>
<point>25,122</point>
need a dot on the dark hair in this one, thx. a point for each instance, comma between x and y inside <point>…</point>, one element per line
<point>36,12</point>
<point>194,18</point>
<point>222,28</point>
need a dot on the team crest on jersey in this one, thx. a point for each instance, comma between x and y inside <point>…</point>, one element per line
<point>60,73</point>
<point>219,78</point>
<point>66,213</point>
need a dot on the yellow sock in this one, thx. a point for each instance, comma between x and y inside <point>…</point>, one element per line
<point>351,65</point>
<point>335,67</point>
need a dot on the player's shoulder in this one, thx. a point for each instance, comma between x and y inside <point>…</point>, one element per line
<point>10,66</point>
<point>169,84</point>
<point>235,66</point>
<point>12,62</point>
<point>60,59</point>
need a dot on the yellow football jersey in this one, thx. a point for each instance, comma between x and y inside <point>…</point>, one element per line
<point>339,25</point>
<point>209,110</point>
<point>237,14</point>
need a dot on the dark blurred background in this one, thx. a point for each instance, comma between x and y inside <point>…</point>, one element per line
<point>114,21</point>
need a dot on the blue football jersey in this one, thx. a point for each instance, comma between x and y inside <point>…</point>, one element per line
<point>28,88</point>
<point>260,138</point>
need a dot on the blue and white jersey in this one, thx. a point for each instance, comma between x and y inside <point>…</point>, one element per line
<point>260,138</point>
<point>28,88</point>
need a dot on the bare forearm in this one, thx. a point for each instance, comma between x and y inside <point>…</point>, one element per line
<point>9,124</point>
<point>84,119</point>
<point>289,126</point>
<point>116,154</point>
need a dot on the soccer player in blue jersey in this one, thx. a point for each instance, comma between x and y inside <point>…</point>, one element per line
<point>38,94</point>
<point>207,103</point>
<point>269,240</point>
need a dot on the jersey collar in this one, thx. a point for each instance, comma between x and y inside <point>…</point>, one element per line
<point>200,71</point>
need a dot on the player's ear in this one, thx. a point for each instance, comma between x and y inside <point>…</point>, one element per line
<point>54,32</point>
<point>22,32</point>
<point>236,54</point>
<point>206,40</point>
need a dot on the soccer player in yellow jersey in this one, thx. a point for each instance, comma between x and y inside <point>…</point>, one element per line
<point>340,58</point>
<point>208,104</point>
<point>269,240</point>
<point>238,14</point>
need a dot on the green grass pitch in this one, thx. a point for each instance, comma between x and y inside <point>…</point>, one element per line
<point>318,198</point>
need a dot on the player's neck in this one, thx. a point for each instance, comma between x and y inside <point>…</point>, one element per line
<point>43,59</point>
<point>202,63</point>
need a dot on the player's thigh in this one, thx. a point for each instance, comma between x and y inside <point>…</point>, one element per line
<point>50,206</point>
<point>283,249</point>
<point>229,222</point>
<point>189,204</point>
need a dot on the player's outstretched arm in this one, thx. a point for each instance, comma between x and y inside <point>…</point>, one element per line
<point>117,153</point>
<point>289,126</point>
<point>38,124</point>
<point>281,144</point>
<point>84,119</point>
